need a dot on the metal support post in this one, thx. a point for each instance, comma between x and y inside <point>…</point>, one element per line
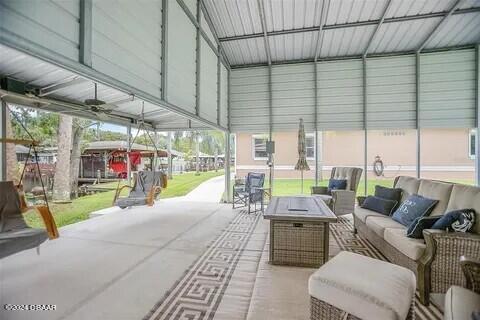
<point>129,168</point>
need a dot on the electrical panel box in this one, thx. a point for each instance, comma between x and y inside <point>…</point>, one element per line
<point>13,85</point>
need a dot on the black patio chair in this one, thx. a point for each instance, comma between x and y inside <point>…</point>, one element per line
<point>249,193</point>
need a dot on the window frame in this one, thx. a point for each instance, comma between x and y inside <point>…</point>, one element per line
<point>258,136</point>
<point>310,135</point>
<point>471,134</point>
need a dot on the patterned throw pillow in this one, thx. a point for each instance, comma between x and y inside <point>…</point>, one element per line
<point>413,207</point>
<point>457,220</point>
<point>415,230</point>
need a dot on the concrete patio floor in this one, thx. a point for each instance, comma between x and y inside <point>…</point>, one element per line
<point>114,266</point>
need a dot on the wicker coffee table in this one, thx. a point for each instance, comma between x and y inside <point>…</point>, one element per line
<point>299,231</point>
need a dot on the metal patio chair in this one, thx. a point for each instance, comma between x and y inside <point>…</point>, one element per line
<point>249,193</point>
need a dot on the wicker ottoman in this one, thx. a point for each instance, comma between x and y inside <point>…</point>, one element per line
<point>352,286</point>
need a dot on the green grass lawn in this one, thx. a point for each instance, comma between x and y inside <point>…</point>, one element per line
<point>283,187</point>
<point>79,209</point>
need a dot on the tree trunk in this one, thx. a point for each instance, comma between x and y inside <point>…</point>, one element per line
<point>11,154</point>
<point>62,182</point>
<point>78,131</point>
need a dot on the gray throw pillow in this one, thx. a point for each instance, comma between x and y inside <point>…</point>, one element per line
<point>380,205</point>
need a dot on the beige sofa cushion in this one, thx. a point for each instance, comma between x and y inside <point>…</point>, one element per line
<point>412,248</point>
<point>362,214</point>
<point>436,190</point>
<point>364,287</point>
<point>460,303</point>
<point>409,185</point>
<point>379,224</point>
<point>466,197</point>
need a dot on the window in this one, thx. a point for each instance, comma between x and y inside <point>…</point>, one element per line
<point>260,147</point>
<point>310,146</point>
<point>472,144</point>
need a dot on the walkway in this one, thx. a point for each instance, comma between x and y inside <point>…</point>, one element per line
<point>208,191</point>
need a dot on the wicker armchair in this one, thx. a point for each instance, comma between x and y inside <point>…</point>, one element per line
<point>341,201</point>
<point>442,267</point>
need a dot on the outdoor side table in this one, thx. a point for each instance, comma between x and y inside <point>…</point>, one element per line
<point>299,230</point>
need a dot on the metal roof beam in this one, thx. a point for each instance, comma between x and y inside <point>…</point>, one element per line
<point>374,34</point>
<point>439,25</point>
<point>350,57</point>
<point>323,17</point>
<point>352,24</point>
<point>59,86</point>
<point>261,10</point>
<point>214,32</point>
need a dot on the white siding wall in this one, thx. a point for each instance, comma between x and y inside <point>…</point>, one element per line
<point>129,52</point>
<point>391,92</point>
<point>340,95</point>
<point>54,25</point>
<point>249,100</point>
<point>447,89</point>
<point>223,96</point>
<point>181,58</point>
<point>293,96</point>
<point>208,82</point>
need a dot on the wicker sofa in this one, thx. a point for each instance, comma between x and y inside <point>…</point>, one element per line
<point>435,260</point>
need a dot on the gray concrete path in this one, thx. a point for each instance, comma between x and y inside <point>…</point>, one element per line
<point>208,191</point>
<point>115,266</point>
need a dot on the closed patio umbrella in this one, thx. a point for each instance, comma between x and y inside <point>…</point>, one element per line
<point>302,151</point>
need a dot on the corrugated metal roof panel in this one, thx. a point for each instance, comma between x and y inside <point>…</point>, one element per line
<point>403,36</point>
<point>457,30</point>
<point>344,11</point>
<point>414,7</point>
<point>293,46</point>
<point>246,51</point>
<point>345,42</point>
<point>234,17</point>
<point>288,14</point>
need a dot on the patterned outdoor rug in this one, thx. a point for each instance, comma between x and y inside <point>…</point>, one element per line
<point>199,292</point>
<point>343,238</point>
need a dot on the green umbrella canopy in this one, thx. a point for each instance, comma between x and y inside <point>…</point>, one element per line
<point>302,149</point>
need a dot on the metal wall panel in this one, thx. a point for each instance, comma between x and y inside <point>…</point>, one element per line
<point>249,100</point>
<point>208,82</point>
<point>340,95</point>
<point>293,96</point>
<point>391,92</point>
<point>447,89</point>
<point>52,25</point>
<point>223,96</point>
<point>181,59</point>
<point>130,52</point>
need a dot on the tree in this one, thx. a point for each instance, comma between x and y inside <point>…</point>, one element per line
<point>78,130</point>
<point>11,154</point>
<point>62,182</point>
